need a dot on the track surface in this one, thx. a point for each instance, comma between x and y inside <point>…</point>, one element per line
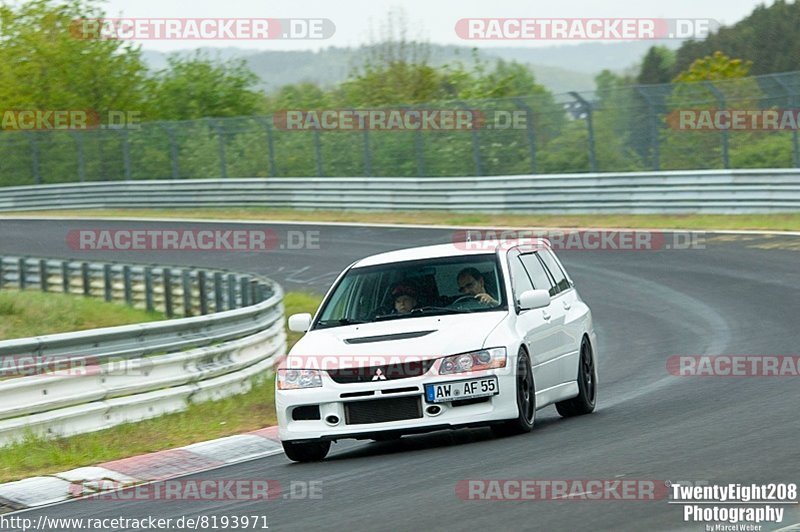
<point>739,295</point>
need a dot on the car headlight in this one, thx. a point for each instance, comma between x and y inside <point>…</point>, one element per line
<point>295,379</point>
<point>474,361</point>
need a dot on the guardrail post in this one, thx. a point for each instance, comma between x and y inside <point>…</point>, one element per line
<point>529,131</point>
<point>186,284</point>
<point>244,289</point>
<point>21,274</point>
<point>107,294</point>
<point>87,282</point>
<point>65,287</point>
<point>585,108</point>
<point>167,279</point>
<point>724,139</point>
<point>218,296</point>
<point>253,292</point>
<point>43,275</point>
<point>148,289</point>
<point>201,292</point>
<point>232,291</point>
<point>128,286</point>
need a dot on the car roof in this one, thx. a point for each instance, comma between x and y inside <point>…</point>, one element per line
<point>453,249</point>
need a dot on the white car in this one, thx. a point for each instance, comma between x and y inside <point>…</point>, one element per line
<point>438,337</point>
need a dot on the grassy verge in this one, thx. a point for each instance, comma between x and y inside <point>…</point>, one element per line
<point>773,222</point>
<point>29,313</point>
<point>241,413</point>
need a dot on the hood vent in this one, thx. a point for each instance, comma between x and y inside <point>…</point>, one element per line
<point>387,337</point>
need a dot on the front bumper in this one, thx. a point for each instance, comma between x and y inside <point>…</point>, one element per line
<point>329,398</point>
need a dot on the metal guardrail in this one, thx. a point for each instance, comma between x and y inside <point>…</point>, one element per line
<point>699,191</point>
<point>64,384</point>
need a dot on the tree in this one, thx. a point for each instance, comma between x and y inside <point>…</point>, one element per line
<point>656,66</point>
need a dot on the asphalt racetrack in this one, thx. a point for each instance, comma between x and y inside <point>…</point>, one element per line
<point>734,294</point>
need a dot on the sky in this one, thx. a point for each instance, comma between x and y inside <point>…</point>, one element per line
<point>432,20</point>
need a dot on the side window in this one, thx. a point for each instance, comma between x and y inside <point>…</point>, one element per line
<point>519,277</point>
<point>537,273</point>
<point>556,271</point>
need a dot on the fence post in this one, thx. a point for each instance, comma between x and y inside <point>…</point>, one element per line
<point>232,291</point>
<point>476,143</point>
<point>126,153</point>
<point>223,165</point>
<point>107,295</point>
<point>126,282</point>
<point>21,274</point>
<point>726,160</point>
<point>81,160</point>
<point>43,275</point>
<point>37,176</point>
<point>531,133</point>
<point>148,289</point>
<point>167,280</point>
<point>201,292</point>
<point>791,99</point>
<point>585,108</point>
<point>186,284</point>
<point>65,287</point>
<point>2,273</point>
<point>318,151</point>
<point>367,154</point>
<point>270,145</point>
<point>244,289</point>
<point>654,140</point>
<point>87,282</point>
<point>218,296</point>
<point>173,151</point>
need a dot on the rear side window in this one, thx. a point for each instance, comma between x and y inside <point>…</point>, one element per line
<point>555,270</point>
<point>519,277</point>
<point>536,272</point>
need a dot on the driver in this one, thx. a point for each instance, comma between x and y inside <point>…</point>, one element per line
<point>470,282</point>
<point>405,298</point>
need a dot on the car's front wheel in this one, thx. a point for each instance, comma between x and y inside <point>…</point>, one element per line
<point>307,451</point>
<point>526,400</point>
<point>587,386</point>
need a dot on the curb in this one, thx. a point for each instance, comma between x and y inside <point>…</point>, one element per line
<point>135,470</point>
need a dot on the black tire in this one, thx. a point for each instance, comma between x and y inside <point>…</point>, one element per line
<point>585,402</point>
<point>306,452</point>
<point>526,401</point>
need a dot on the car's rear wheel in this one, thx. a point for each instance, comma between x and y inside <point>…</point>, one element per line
<point>306,451</point>
<point>526,400</point>
<point>587,386</point>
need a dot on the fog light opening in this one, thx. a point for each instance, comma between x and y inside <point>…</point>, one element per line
<point>332,420</point>
<point>434,410</point>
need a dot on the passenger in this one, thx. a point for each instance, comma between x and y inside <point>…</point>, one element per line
<point>405,298</point>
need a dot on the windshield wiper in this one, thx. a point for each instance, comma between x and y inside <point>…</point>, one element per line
<point>340,321</point>
<point>431,309</point>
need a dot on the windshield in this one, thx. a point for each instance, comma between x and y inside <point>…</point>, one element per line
<point>402,290</point>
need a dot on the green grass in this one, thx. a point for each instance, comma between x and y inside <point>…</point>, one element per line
<point>30,313</point>
<point>772,222</point>
<point>215,419</point>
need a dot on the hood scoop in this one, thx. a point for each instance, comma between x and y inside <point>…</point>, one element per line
<point>387,337</point>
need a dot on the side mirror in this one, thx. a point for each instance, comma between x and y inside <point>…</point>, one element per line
<point>531,299</point>
<point>299,322</point>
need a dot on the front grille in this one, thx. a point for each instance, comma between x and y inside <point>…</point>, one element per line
<point>389,372</point>
<point>382,410</point>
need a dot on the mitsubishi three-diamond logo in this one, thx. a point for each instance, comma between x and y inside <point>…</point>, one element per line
<point>379,376</point>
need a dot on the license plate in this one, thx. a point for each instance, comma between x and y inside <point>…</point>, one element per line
<point>443,392</point>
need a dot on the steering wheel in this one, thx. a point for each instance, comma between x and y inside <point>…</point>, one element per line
<point>466,302</point>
